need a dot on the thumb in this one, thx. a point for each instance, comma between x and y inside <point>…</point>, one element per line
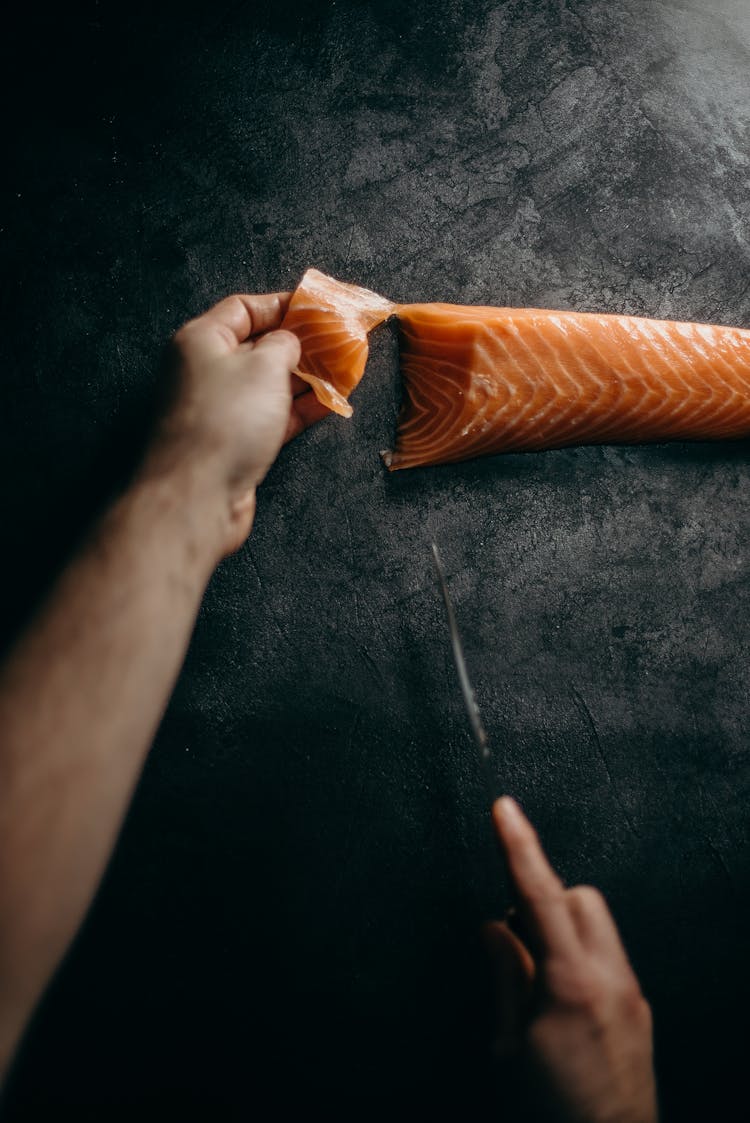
<point>513,970</point>
<point>279,348</point>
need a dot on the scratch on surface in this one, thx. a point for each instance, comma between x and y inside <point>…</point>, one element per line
<point>586,712</point>
<point>697,732</point>
<point>371,662</point>
<point>267,600</point>
<point>348,522</point>
<point>720,859</point>
<point>735,223</point>
<point>375,619</point>
<point>349,247</point>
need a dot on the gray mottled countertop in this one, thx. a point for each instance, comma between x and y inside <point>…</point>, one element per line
<point>294,905</point>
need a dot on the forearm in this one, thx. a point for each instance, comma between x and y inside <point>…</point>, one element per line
<point>80,700</point>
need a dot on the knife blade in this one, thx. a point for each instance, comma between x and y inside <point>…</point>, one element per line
<point>479,733</point>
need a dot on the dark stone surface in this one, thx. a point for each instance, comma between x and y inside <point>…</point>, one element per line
<point>293,907</point>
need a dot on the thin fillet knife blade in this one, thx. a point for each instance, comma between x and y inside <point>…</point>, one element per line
<point>479,733</point>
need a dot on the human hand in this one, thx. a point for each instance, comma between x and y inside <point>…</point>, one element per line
<point>235,402</point>
<point>567,997</point>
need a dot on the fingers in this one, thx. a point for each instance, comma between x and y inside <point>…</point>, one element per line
<point>299,386</point>
<point>270,315</point>
<point>541,893</point>
<point>513,971</point>
<point>233,320</point>
<point>594,922</point>
<point>279,348</point>
<point>242,316</point>
<point>306,410</point>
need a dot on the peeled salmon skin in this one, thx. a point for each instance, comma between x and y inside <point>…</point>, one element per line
<point>482,380</point>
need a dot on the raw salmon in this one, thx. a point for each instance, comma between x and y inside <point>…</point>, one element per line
<point>331,320</point>
<point>485,380</point>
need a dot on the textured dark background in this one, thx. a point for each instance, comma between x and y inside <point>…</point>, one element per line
<point>291,916</point>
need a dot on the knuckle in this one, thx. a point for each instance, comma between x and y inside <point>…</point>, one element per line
<point>644,1015</point>
<point>600,997</point>
<point>184,334</point>
<point>589,995</point>
<point>588,897</point>
<point>232,303</point>
<point>579,986</point>
<point>633,1005</point>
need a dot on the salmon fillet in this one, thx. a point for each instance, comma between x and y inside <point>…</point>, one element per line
<point>332,321</point>
<point>486,380</point>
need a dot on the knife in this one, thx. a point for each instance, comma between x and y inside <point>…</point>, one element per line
<point>479,733</point>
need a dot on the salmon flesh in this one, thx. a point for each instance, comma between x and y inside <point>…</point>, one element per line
<point>479,381</point>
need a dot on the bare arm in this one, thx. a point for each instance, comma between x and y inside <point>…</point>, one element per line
<point>83,692</point>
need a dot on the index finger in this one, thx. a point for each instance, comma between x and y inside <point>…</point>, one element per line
<point>235,319</point>
<point>541,892</point>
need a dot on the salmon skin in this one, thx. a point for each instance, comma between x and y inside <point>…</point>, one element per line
<point>482,380</point>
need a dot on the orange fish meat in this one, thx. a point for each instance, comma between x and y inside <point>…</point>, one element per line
<point>332,321</point>
<point>487,380</point>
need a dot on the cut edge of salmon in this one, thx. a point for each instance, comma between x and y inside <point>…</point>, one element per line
<point>342,311</point>
<point>612,378</point>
